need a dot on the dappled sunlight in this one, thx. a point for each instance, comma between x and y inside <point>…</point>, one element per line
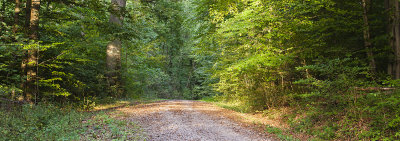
<point>298,69</point>
<point>112,105</point>
<point>249,118</point>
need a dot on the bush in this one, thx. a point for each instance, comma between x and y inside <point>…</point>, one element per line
<point>40,122</point>
<point>360,114</point>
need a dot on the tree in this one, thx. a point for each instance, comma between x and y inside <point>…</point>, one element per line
<point>393,9</point>
<point>114,47</point>
<point>367,36</point>
<point>32,58</point>
<point>396,25</point>
<point>17,11</point>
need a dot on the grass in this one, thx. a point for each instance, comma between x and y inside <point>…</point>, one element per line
<point>279,132</point>
<point>363,116</point>
<point>49,122</point>
<point>105,126</point>
<point>227,105</point>
<point>40,122</point>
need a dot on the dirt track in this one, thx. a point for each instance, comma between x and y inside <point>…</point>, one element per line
<point>188,120</point>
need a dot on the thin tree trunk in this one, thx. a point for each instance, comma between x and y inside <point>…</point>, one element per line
<point>114,47</point>
<point>34,20</point>
<point>17,11</point>
<point>390,32</point>
<point>397,38</point>
<point>367,36</point>
<point>24,62</point>
<point>28,15</point>
<point>31,72</point>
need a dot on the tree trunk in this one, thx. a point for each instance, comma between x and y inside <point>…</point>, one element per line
<point>367,36</point>
<point>31,72</point>
<point>17,11</point>
<point>396,47</point>
<point>114,47</point>
<point>28,15</point>
<point>390,32</point>
<point>24,61</point>
<point>34,20</point>
<point>114,61</point>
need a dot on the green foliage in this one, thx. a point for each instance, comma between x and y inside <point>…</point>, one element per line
<point>10,72</point>
<point>253,54</point>
<point>306,55</point>
<point>279,133</point>
<point>333,96</point>
<point>104,127</point>
<point>40,122</point>
<point>383,110</point>
<point>331,82</point>
<point>255,81</point>
<point>48,122</point>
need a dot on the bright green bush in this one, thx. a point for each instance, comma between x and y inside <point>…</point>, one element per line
<point>257,82</point>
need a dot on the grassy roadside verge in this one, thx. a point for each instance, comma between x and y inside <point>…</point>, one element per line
<point>369,116</point>
<point>49,122</point>
<point>271,124</point>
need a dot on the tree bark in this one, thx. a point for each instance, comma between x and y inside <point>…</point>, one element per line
<point>367,36</point>
<point>34,20</point>
<point>31,72</point>
<point>114,47</point>
<point>396,46</point>
<point>17,11</point>
<point>28,16</point>
<point>390,32</point>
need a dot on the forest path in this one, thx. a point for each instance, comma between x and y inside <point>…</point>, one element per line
<point>188,120</point>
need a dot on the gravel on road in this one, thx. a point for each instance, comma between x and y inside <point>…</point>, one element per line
<point>184,120</point>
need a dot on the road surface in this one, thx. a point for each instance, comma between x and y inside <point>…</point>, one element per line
<point>183,120</point>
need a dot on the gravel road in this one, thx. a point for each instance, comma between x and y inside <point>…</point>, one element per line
<point>176,120</point>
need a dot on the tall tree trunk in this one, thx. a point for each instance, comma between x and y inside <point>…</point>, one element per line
<point>28,16</point>
<point>390,32</point>
<point>25,55</point>
<point>114,47</point>
<point>34,20</point>
<point>367,36</point>
<point>17,11</point>
<point>31,73</point>
<point>396,47</point>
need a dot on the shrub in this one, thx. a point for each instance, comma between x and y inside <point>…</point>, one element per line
<point>40,122</point>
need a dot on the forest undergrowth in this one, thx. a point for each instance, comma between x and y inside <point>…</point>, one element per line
<point>371,115</point>
<point>46,121</point>
<point>329,69</point>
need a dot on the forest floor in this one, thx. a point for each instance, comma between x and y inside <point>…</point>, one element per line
<point>191,120</point>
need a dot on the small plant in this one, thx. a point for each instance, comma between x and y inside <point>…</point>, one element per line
<point>103,126</point>
<point>279,133</point>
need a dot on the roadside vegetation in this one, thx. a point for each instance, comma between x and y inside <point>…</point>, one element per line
<point>329,69</point>
<point>46,121</point>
